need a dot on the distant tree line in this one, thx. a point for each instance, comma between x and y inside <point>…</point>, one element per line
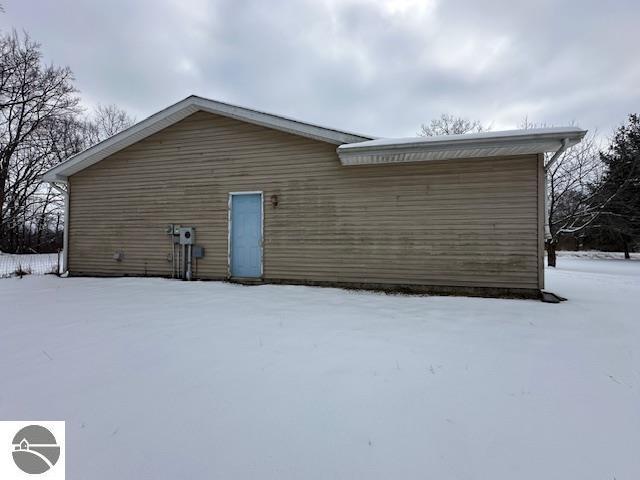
<point>593,192</point>
<point>41,125</point>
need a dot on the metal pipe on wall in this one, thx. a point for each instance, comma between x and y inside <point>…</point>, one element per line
<point>178,249</point>
<point>182,260</point>
<point>189,272</point>
<point>173,258</point>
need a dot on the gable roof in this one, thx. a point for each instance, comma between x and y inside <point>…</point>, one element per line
<point>448,147</point>
<point>353,148</point>
<point>181,110</point>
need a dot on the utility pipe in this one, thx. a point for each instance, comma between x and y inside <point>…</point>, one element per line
<point>189,274</point>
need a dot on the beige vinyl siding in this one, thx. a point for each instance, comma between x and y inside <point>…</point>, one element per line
<point>471,223</point>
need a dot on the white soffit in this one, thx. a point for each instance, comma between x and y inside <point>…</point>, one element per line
<point>478,145</point>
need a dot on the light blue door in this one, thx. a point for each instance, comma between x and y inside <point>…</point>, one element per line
<point>246,235</point>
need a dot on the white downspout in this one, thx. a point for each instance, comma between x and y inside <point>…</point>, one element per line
<point>65,235</point>
<point>560,151</point>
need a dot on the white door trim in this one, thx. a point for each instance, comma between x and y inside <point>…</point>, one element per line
<point>229,216</point>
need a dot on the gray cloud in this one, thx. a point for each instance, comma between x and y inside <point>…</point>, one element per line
<point>379,67</point>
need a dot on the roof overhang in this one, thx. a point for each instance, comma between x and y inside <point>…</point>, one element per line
<point>478,145</point>
<point>183,109</point>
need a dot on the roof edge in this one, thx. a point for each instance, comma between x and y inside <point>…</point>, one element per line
<point>487,144</point>
<point>182,109</point>
<point>502,136</point>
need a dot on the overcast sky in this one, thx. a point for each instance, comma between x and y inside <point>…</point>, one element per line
<point>376,67</point>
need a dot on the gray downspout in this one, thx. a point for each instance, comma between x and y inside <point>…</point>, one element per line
<point>65,235</point>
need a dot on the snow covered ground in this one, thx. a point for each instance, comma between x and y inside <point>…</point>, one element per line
<point>596,254</point>
<point>162,379</point>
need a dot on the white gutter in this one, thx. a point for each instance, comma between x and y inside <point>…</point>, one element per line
<point>65,236</point>
<point>451,147</point>
<point>552,160</point>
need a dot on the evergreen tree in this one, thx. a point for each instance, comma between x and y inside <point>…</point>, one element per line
<point>619,192</point>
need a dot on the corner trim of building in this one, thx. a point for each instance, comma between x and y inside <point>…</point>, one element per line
<point>541,214</point>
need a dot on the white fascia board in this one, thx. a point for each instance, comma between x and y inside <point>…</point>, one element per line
<point>183,109</point>
<point>489,144</point>
<point>503,136</point>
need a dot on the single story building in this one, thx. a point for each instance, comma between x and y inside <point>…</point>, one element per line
<point>209,190</point>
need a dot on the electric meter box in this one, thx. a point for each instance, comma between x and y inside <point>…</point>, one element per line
<point>187,235</point>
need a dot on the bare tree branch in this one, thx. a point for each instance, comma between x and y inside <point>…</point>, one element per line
<point>451,125</point>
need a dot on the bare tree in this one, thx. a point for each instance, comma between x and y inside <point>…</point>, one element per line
<point>41,125</point>
<point>572,182</point>
<point>451,125</point>
<point>571,200</point>
<point>33,97</point>
<point>106,121</point>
